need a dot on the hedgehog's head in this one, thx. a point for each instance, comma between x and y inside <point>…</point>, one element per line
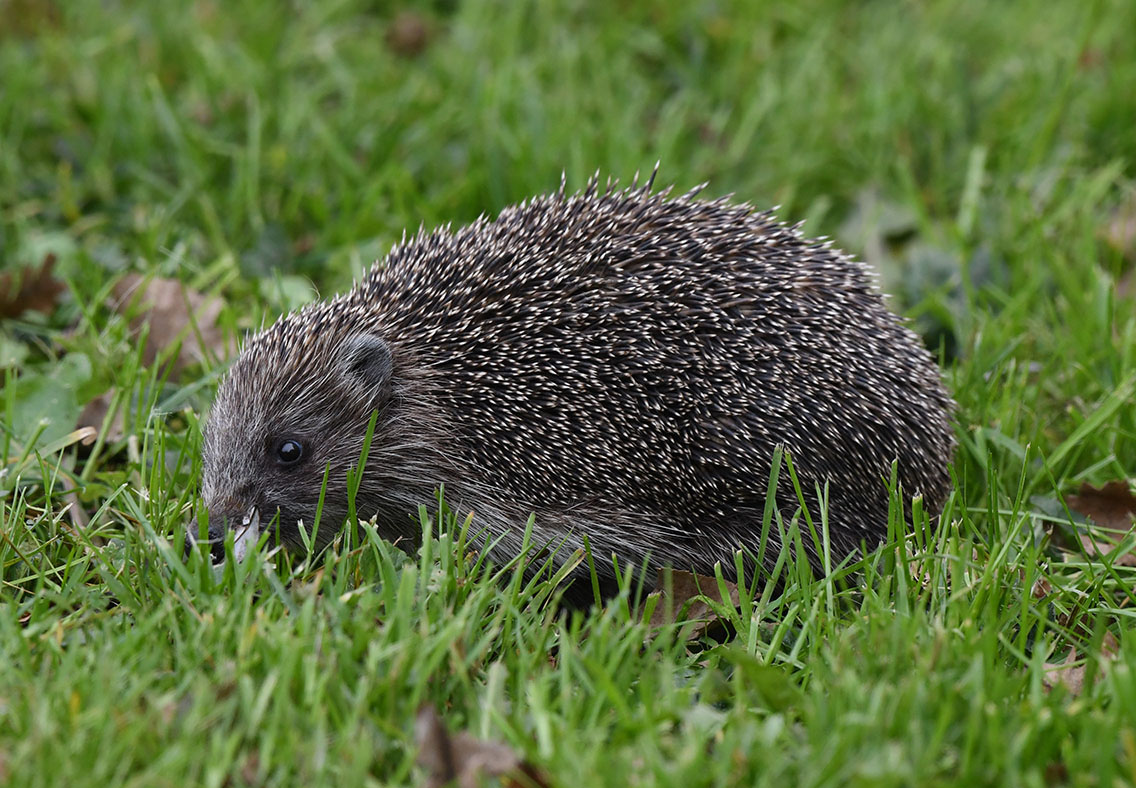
<point>293,409</point>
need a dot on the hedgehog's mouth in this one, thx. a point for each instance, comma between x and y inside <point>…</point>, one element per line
<point>245,536</point>
<point>246,533</point>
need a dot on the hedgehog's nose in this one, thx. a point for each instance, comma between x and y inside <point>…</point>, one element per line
<point>217,540</point>
<point>245,527</point>
<point>219,525</point>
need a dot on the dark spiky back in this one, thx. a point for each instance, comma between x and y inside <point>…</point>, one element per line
<point>635,358</point>
<point>624,348</point>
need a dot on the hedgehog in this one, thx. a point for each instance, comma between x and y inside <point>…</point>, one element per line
<point>616,364</point>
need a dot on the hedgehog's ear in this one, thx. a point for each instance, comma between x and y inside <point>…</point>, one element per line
<point>367,358</point>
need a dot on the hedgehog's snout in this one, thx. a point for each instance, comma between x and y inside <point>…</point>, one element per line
<point>245,525</point>
<point>217,540</point>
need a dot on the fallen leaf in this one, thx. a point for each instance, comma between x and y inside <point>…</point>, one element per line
<point>28,18</point>
<point>1056,773</point>
<point>687,597</point>
<point>1070,672</point>
<point>1089,58</point>
<point>1113,508</point>
<point>408,34</point>
<point>250,768</point>
<point>75,511</point>
<point>94,414</point>
<point>466,759</point>
<point>173,312</point>
<point>1119,231</point>
<point>34,290</point>
<point>304,244</point>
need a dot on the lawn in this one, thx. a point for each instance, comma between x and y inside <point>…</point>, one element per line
<point>239,159</point>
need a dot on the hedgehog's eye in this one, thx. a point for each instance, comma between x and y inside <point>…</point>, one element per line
<point>289,452</point>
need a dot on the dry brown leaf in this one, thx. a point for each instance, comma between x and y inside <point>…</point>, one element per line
<point>409,34</point>
<point>466,759</point>
<point>28,17</point>
<point>1126,285</point>
<point>94,414</point>
<point>173,312</point>
<point>1042,588</point>
<point>75,511</point>
<point>1113,508</point>
<point>1120,230</point>
<point>250,768</point>
<point>682,603</point>
<point>1056,773</point>
<point>33,290</point>
<point>1070,672</point>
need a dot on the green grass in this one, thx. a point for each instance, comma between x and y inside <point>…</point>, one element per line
<point>974,152</point>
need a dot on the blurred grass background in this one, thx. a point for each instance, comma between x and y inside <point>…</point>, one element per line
<point>981,156</point>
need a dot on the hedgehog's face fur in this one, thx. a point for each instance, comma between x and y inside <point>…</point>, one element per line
<point>293,406</point>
